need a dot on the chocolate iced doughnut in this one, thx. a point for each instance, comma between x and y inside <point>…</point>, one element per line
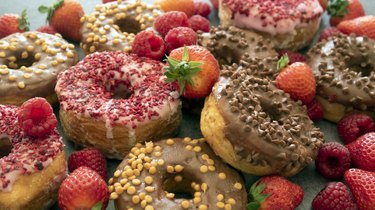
<point>256,127</point>
<point>29,65</point>
<point>229,44</point>
<point>153,176</point>
<point>112,26</point>
<point>344,70</point>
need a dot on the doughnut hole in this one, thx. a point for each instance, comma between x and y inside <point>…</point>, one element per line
<point>223,53</point>
<point>271,110</point>
<point>129,25</point>
<point>5,146</point>
<point>182,189</point>
<point>20,58</point>
<point>361,67</point>
<point>120,91</point>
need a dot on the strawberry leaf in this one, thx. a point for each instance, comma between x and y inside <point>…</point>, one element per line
<point>24,23</point>
<point>338,8</point>
<point>282,62</point>
<point>255,196</point>
<point>98,206</point>
<point>50,10</point>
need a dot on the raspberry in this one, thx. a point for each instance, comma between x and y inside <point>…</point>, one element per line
<point>315,110</point>
<point>179,37</point>
<point>199,23</point>
<point>202,9</point>
<point>106,1</point>
<point>353,126</point>
<point>334,196</point>
<point>333,160</point>
<point>36,117</point>
<point>328,32</point>
<point>91,158</point>
<point>293,56</point>
<point>149,44</point>
<point>170,20</point>
<point>47,29</point>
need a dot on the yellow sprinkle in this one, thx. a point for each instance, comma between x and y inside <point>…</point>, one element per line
<point>117,173</point>
<point>210,162</point>
<point>110,181</point>
<point>119,190</point>
<point>131,190</point>
<point>148,199</point>
<point>187,139</point>
<point>220,205</point>
<point>113,196</point>
<point>30,48</point>
<point>178,178</point>
<point>123,181</point>
<point>238,185</point>
<point>60,60</point>
<point>170,142</point>
<point>160,162</point>
<point>185,204</point>
<point>204,187</point>
<point>143,204</point>
<point>170,195</point>
<point>178,168</point>
<point>21,85</point>
<point>37,56</point>
<point>4,71</point>
<point>24,55</point>
<point>142,196</point>
<point>150,189</point>
<point>228,206</point>
<point>205,157</point>
<point>52,52</point>
<point>136,199</point>
<point>57,44</point>
<point>203,169</point>
<point>12,48</point>
<point>38,71</point>
<point>29,70</point>
<point>220,197</point>
<point>136,181</point>
<point>70,54</point>
<point>188,147</point>
<point>152,170</point>
<point>196,200</point>
<point>170,169</point>
<point>26,76</point>
<point>148,180</point>
<point>12,58</point>
<point>157,154</point>
<point>197,149</point>
<point>110,188</point>
<point>231,201</point>
<point>2,55</point>
<point>71,46</point>
<point>149,207</point>
<point>54,63</point>
<point>202,207</point>
<point>222,176</point>
<point>11,78</point>
<point>211,168</point>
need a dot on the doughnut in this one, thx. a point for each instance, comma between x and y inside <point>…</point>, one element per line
<point>343,67</point>
<point>112,100</point>
<point>256,127</point>
<point>290,24</point>
<point>176,174</point>
<point>30,175</point>
<point>229,44</point>
<point>112,26</point>
<point>29,65</point>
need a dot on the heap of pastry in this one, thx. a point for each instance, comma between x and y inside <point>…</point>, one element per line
<point>123,101</point>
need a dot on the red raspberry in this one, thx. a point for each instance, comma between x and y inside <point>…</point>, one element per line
<point>333,160</point>
<point>362,151</point>
<point>353,126</point>
<point>89,157</point>
<point>328,32</point>
<point>36,117</point>
<point>179,37</point>
<point>199,23</point>
<point>47,29</point>
<point>149,44</point>
<point>334,196</point>
<point>315,110</point>
<point>202,8</point>
<point>293,56</point>
<point>106,1</point>
<point>170,20</point>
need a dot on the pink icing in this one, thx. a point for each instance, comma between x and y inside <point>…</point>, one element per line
<point>88,88</point>
<point>273,16</point>
<point>28,154</point>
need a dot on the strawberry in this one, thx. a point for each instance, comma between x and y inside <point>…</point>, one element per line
<point>12,23</point>
<point>363,152</point>
<point>65,17</point>
<point>91,158</point>
<point>47,29</point>
<point>186,6</point>
<point>36,117</point>
<point>274,192</point>
<point>296,79</point>
<point>362,185</point>
<point>341,10</point>
<point>362,26</point>
<point>215,3</point>
<point>193,70</point>
<point>324,4</point>
<point>334,196</point>
<point>83,189</point>
<point>292,56</point>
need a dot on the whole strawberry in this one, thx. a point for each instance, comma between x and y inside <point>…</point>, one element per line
<point>334,196</point>
<point>13,23</point>
<point>274,192</point>
<point>362,26</point>
<point>83,189</point>
<point>296,79</point>
<point>352,126</point>
<point>65,17</point>
<point>363,152</point>
<point>193,70</point>
<point>362,185</point>
<point>341,10</point>
<point>91,158</point>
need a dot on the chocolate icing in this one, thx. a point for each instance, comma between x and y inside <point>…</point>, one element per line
<point>143,178</point>
<point>344,70</point>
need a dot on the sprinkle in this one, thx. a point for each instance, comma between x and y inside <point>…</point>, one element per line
<point>148,180</point>
<point>21,85</point>
<point>113,196</point>
<point>222,176</point>
<point>185,204</point>
<point>238,185</point>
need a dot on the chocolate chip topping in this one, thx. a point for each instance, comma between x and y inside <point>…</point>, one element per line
<point>344,69</point>
<point>229,44</point>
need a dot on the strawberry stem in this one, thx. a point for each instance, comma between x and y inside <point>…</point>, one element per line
<point>255,196</point>
<point>23,21</point>
<point>181,71</point>
<point>282,62</point>
<point>338,8</point>
<point>50,10</point>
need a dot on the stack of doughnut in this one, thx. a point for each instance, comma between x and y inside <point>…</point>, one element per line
<point>343,66</point>
<point>112,26</point>
<point>112,100</point>
<point>290,24</point>
<point>29,65</point>
<point>151,176</point>
<point>30,175</point>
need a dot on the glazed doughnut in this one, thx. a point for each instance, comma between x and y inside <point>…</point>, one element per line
<point>290,24</point>
<point>343,66</point>
<point>112,100</point>
<point>29,65</point>
<point>153,176</point>
<point>256,127</point>
<point>229,44</point>
<point>30,175</point>
<point>112,27</point>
